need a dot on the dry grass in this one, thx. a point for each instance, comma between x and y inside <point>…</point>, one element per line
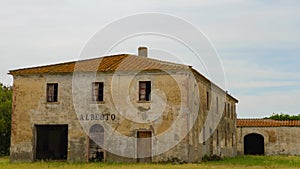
<point>242,162</point>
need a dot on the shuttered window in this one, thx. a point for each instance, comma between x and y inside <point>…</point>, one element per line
<point>97,94</point>
<point>52,92</point>
<point>145,90</point>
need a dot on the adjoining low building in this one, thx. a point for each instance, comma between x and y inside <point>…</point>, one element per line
<point>268,137</point>
<point>133,108</point>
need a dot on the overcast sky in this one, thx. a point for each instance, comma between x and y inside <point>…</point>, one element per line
<point>258,41</point>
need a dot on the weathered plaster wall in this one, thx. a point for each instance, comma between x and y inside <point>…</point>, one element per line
<point>215,122</point>
<point>174,100</point>
<point>30,108</point>
<point>277,140</point>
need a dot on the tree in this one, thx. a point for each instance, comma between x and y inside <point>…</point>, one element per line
<point>282,116</point>
<point>5,118</point>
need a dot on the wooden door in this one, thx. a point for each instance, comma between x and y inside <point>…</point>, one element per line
<point>51,142</point>
<point>96,142</point>
<point>144,146</point>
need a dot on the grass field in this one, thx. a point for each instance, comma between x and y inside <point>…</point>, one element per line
<point>242,162</point>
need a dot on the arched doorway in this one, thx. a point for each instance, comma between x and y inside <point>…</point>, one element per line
<point>96,143</point>
<point>254,144</point>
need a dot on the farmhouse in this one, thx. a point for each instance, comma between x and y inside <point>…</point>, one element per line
<point>121,108</point>
<point>268,137</point>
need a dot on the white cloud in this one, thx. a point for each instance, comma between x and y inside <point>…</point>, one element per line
<point>262,105</point>
<point>255,94</point>
<point>240,72</point>
<point>39,32</point>
<point>262,84</point>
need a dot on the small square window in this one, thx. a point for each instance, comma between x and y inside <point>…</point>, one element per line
<point>145,90</point>
<point>97,94</point>
<point>52,92</point>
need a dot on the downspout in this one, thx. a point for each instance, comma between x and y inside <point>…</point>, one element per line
<point>188,117</point>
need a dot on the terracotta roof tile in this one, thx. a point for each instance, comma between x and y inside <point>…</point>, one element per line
<point>122,62</point>
<point>266,123</point>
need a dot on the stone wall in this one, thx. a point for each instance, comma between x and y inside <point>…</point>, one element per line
<point>216,129</point>
<point>30,108</point>
<point>174,109</point>
<point>277,140</point>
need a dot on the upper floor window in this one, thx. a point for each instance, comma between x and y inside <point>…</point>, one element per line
<point>145,90</point>
<point>232,111</point>
<point>225,110</point>
<point>97,91</point>
<point>207,100</point>
<point>217,104</point>
<point>228,110</point>
<point>52,92</point>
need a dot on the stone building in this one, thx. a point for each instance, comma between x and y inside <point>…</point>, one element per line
<point>268,137</point>
<point>130,108</point>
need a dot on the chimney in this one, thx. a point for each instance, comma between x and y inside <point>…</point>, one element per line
<point>143,51</point>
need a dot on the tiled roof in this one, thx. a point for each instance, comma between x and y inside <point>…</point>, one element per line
<point>122,62</point>
<point>267,123</point>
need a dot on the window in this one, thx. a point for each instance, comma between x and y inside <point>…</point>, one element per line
<point>232,112</point>
<point>225,114</point>
<point>97,91</point>
<point>225,137</point>
<point>217,104</point>
<point>232,141</point>
<point>203,133</point>
<point>145,90</point>
<point>207,100</point>
<point>217,137</point>
<point>228,110</point>
<point>52,92</point>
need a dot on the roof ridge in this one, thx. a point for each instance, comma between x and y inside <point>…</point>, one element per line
<point>43,66</point>
<point>111,62</point>
<point>64,63</point>
<point>158,60</point>
<point>167,62</point>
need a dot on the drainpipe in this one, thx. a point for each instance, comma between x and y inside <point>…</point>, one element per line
<point>188,117</point>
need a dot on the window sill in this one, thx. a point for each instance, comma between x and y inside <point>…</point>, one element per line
<point>143,101</point>
<point>98,102</point>
<point>52,103</point>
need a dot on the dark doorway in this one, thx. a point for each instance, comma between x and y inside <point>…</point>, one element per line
<point>51,142</point>
<point>96,143</point>
<point>254,144</point>
<point>144,146</point>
